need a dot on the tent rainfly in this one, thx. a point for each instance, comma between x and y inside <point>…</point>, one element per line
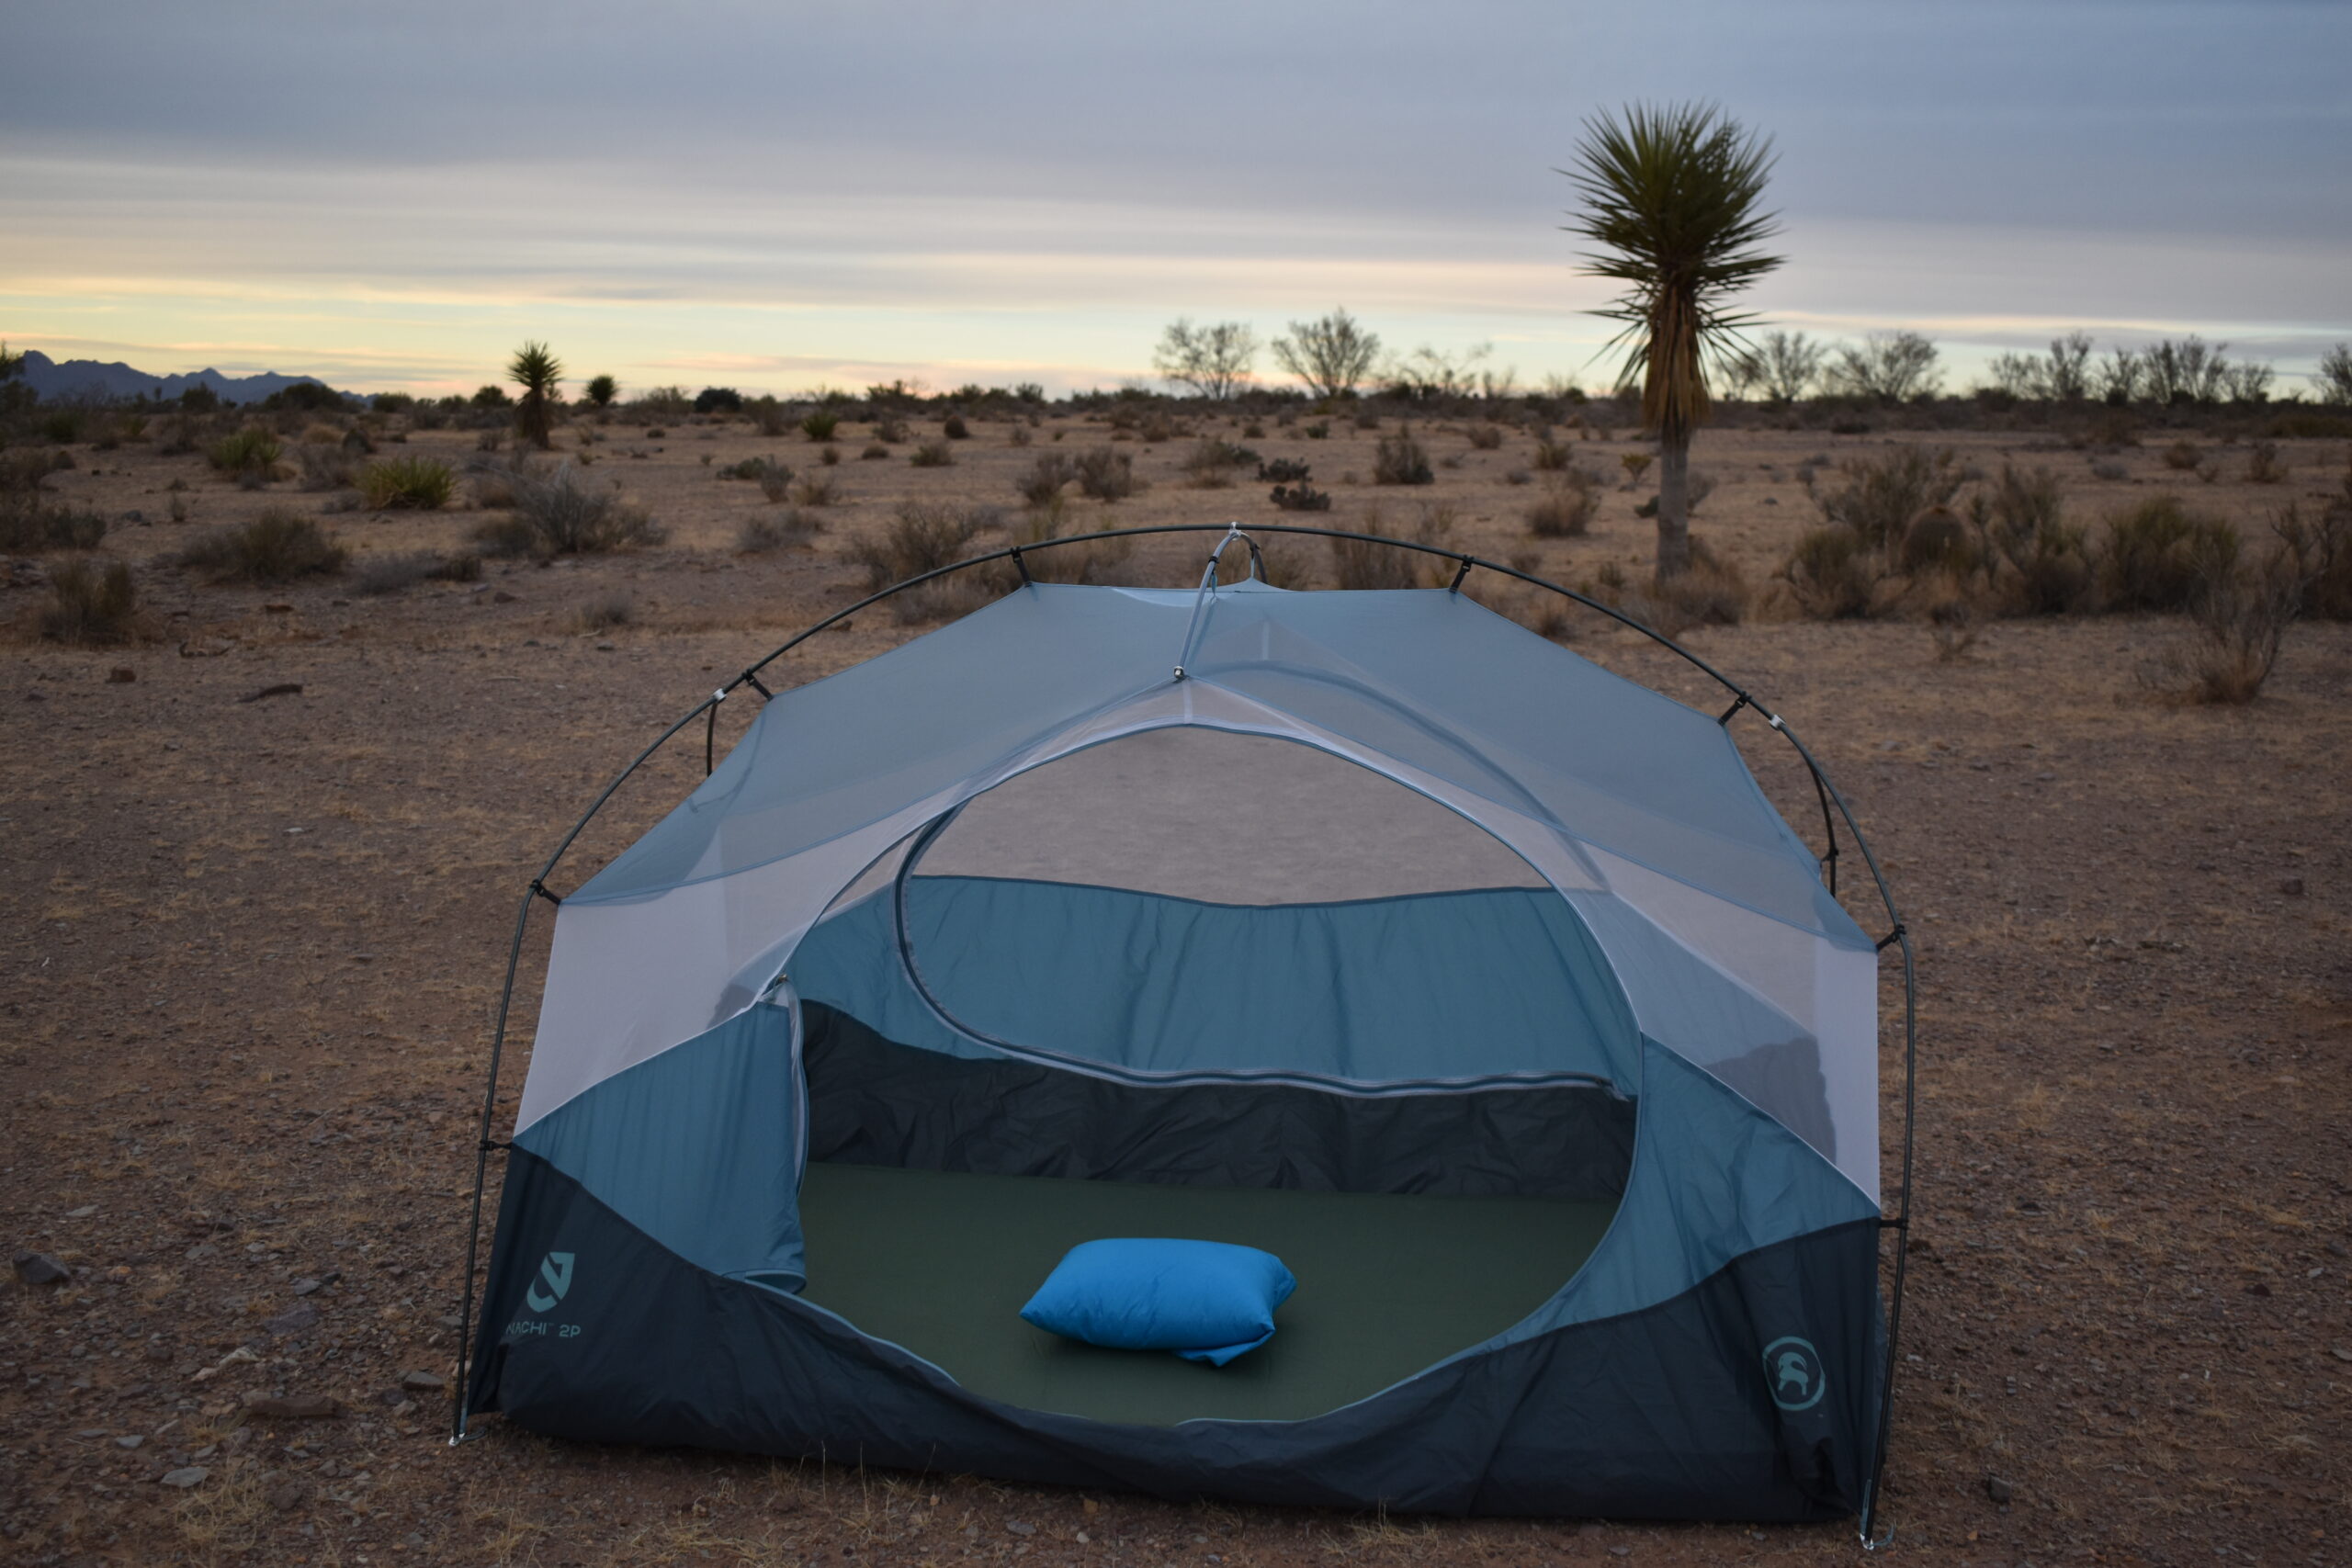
<point>1482,986</point>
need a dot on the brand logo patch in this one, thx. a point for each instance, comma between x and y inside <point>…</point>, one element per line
<point>1793,1371</point>
<point>554,1281</point>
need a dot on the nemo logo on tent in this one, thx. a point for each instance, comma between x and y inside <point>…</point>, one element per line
<point>555,1275</point>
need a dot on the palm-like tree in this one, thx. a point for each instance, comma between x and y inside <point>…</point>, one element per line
<point>537,371</point>
<point>1671,201</point>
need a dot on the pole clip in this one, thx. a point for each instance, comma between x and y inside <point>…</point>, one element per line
<point>540,888</point>
<point>1891,938</point>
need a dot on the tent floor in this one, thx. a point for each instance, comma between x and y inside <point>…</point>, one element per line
<point>941,1263</point>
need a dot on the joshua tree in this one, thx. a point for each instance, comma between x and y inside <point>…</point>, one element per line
<point>602,390</point>
<point>1214,360</point>
<point>1671,201</point>
<point>537,371</point>
<point>1331,356</point>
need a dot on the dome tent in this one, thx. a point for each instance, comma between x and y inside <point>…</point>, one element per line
<point>1482,986</point>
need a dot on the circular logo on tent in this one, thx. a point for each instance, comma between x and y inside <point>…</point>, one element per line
<point>1792,1370</point>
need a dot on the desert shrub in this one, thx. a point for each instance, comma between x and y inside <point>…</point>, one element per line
<point>91,603</point>
<point>1399,460</point>
<point>1210,462</point>
<point>890,430</point>
<point>2158,555</point>
<point>1089,562</point>
<point>407,484</point>
<point>718,399</point>
<point>1316,430</point>
<point>605,612</point>
<point>1566,507</point>
<point>1106,473</point>
<point>2181,455</point>
<point>1485,438</point>
<point>1041,483</point>
<point>1284,471</point>
<point>1951,621</point>
<point>561,514</point>
<point>872,452</point>
<point>820,424</point>
<point>250,452</point>
<point>1300,497</point>
<point>1938,541</point>
<point>62,425</point>
<point>277,546</point>
<point>377,575</point>
<point>923,536</point>
<point>1635,464</point>
<point>659,406</point>
<point>327,468</point>
<point>1876,498</point>
<point>763,533</point>
<point>1020,436</point>
<point>1833,574</point>
<point>29,525</point>
<point>1558,457</point>
<point>1156,428</point>
<point>814,489</point>
<point>2320,551</point>
<point>2262,464</point>
<point>495,482</point>
<point>934,454</point>
<point>1363,564</point>
<point>2238,618</point>
<point>955,429</point>
<point>829,454</point>
<point>2113,473</point>
<point>1712,592</point>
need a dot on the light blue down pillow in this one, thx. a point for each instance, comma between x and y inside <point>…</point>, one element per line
<point>1208,1301</point>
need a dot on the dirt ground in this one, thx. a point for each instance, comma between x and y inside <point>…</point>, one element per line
<point>250,947</point>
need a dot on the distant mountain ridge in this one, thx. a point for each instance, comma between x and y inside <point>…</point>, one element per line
<point>57,380</point>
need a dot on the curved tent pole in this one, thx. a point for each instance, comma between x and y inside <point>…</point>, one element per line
<point>1828,792</point>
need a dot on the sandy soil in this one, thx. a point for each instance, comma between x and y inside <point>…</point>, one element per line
<point>251,948</point>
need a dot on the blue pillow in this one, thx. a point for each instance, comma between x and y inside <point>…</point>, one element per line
<point>1208,1301</point>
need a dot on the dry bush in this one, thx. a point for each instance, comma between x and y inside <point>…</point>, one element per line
<point>28,525</point>
<point>1363,564</point>
<point>2159,555</point>
<point>414,484</point>
<point>2049,558</point>
<point>1211,463</point>
<point>1041,483</point>
<point>955,429</point>
<point>1712,592</point>
<point>1953,618</point>
<point>1938,541</point>
<point>2182,456</point>
<point>820,424</point>
<point>494,482</point>
<point>1833,574</point>
<point>1877,497</point>
<point>1106,473</point>
<point>1485,438</point>
<point>91,603</point>
<point>1554,456</point>
<point>2239,617</point>
<point>933,455</point>
<point>872,452</point>
<point>277,546</point>
<point>327,468</point>
<point>1088,562</point>
<point>1635,464</point>
<point>1399,460</point>
<point>1300,497</point>
<point>761,533</point>
<point>1566,507</point>
<point>2321,552</point>
<point>560,515</point>
<point>2263,466</point>
<point>923,536</point>
<point>814,490</point>
<point>890,430</point>
<point>249,453</point>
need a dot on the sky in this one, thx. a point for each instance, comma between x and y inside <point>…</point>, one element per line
<point>782,195</point>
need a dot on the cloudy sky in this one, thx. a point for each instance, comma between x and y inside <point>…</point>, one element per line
<point>778,196</point>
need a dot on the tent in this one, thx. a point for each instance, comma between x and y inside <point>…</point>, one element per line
<point>1482,986</point>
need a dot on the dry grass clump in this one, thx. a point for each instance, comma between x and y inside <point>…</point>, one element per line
<point>1399,460</point>
<point>1089,562</point>
<point>603,613</point>
<point>2237,622</point>
<point>1712,592</point>
<point>92,603</point>
<point>933,455</point>
<point>2263,466</point>
<point>2048,558</point>
<point>277,546</point>
<point>872,452</point>
<point>1877,498</point>
<point>1212,462</point>
<point>327,466</point>
<point>1553,456</point>
<point>407,484</point>
<point>814,490</point>
<point>28,525</point>
<point>2321,550</point>
<point>248,453</point>
<point>561,514</point>
<point>923,536</point>
<point>2181,455</point>
<point>762,535</point>
<point>1833,574</point>
<point>820,425</point>
<point>1041,483</point>
<point>1485,438</point>
<point>1106,473</point>
<point>377,575</point>
<point>2159,555</point>
<point>1363,564</point>
<point>1567,508</point>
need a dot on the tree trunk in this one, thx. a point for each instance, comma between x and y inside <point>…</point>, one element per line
<point>1673,504</point>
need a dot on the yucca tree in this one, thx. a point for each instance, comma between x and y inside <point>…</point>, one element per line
<point>1671,198</point>
<point>537,371</point>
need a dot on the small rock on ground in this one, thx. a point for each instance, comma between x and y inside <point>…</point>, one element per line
<point>40,1269</point>
<point>422,1382</point>
<point>186,1477</point>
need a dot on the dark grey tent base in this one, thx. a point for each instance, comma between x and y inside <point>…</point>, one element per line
<point>1663,1414</point>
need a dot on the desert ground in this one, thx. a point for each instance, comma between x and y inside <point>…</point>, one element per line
<point>252,944</point>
